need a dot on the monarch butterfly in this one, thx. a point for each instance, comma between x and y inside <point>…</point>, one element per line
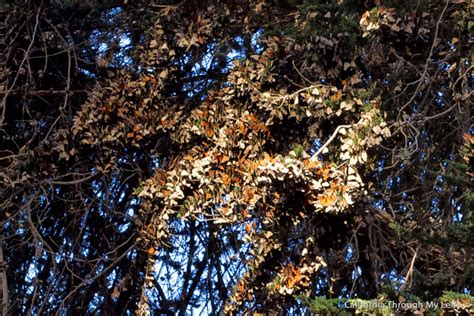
<point>337,96</point>
<point>327,200</point>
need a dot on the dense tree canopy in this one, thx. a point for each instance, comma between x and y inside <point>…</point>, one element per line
<point>200,157</point>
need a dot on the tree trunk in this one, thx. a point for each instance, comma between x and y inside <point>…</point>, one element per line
<point>3,282</point>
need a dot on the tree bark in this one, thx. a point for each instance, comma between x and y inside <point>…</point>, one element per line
<point>3,281</point>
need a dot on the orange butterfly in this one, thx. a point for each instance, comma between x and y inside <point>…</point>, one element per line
<point>326,200</point>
